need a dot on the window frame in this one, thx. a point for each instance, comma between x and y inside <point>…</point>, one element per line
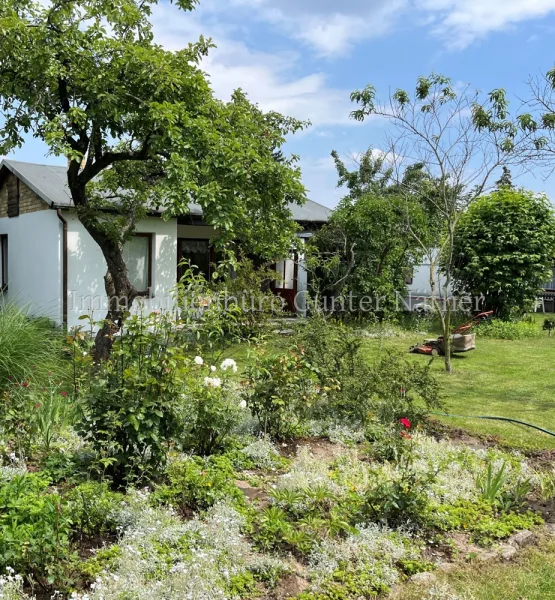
<point>149,292</point>
<point>4,262</point>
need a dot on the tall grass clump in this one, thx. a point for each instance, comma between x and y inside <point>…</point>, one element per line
<point>29,348</point>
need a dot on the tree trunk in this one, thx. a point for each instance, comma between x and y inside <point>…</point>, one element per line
<point>121,295</point>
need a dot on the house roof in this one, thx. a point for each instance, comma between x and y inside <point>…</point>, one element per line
<point>49,182</point>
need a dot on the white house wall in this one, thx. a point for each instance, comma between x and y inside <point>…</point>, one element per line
<point>34,262</point>
<point>87,267</point>
<point>420,288</point>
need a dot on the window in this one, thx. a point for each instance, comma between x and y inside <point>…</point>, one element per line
<point>13,196</point>
<point>138,258</point>
<point>4,262</point>
<point>286,275</point>
<point>197,252</point>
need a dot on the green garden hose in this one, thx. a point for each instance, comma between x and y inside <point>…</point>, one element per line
<point>497,419</point>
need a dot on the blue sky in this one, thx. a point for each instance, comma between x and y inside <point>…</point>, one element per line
<point>304,57</point>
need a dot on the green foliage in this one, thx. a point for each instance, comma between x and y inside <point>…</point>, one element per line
<point>158,132</point>
<point>34,529</point>
<point>198,483</point>
<point>398,500</point>
<point>361,258</point>
<point>104,559</point>
<point>504,248</point>
<point>281,390</point>
<point>508,330</point>
<point>31,348</point>
<point>131,402</point>
<point>92,507</point>
<point>481,519</point>
<point>389,389</point>
<point>349,583</point>
<point>35,414</point>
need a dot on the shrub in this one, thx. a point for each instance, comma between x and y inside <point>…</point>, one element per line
<point>198,483</point>
<point>211,408</point>
<point>357,391</point>
<point>92,507</point>
<point>34,529</point>
<point>151,394</point>
<point>281,391</point>
<point>508,330</point>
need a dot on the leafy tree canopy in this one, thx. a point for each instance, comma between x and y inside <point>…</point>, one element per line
<point>504,249</point>
<point>366,248</point>
<point>141,127</point>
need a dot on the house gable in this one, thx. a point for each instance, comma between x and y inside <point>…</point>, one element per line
<point>29,201</point>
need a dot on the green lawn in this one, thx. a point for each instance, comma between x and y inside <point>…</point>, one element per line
<point>505,378</point>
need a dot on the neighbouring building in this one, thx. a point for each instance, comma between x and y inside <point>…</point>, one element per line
<point>52,266</point>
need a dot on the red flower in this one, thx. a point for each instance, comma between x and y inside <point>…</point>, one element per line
<point>37,405</point>
<point>64,394</point>
<point>406,435</point>
<point>405,422</point>
<point>24,384</point>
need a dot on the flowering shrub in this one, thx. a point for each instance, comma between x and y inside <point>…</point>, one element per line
<point>211,407</point>
<point>151,395</point>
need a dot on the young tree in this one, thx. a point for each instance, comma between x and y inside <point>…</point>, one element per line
<point>504,249</point>
<point>365,250</point>
<point>141,129</point>
<point>438,128</point>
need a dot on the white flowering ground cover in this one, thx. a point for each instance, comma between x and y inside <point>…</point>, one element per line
<point>218,554</point>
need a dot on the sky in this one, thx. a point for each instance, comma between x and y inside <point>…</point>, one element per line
<point>305,57</point>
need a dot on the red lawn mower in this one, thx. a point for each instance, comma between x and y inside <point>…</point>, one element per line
<point>461,339</point>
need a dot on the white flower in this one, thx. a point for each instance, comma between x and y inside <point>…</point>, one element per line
<point>243,404</point>
<point>199,361</point>
<point>213,369</point>
<point>212,382</point>
<point>229,363</point>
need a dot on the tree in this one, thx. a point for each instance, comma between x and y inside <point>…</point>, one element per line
<point>504,249</point>
<point>440,128</point>
<point>141,129</point>
<point>365,249</point>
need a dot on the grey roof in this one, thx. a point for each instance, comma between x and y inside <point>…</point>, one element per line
<point>49,182</point>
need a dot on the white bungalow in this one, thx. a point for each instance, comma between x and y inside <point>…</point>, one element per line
<point>52,266</point>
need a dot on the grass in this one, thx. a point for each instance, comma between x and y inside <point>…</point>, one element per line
<point>506,378</point>
<point>531,576</point>
<point>29,348</point>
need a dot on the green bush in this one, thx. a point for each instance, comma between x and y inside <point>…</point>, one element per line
<point>34,415</point>
<point>198,483</point>
<point>35,528</point>
<point>132,402</point>
<point>281,391</point>
<point>358,391</point>
<point>92,507</point>
<point>509,330</point>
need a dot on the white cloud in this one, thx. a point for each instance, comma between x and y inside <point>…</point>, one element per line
<point>266,77</point>
<point>463,21</point>
<point>332,28</point>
